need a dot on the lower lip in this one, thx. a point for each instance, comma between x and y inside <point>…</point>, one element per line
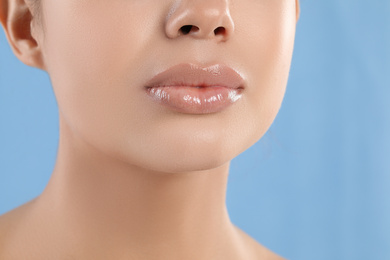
<point>195,100</point>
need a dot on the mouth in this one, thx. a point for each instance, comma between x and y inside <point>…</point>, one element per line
<point>190,89</point>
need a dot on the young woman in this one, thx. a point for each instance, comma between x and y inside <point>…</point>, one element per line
<point>155,98</point>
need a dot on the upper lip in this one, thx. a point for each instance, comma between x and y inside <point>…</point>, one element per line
<point>191,75</point>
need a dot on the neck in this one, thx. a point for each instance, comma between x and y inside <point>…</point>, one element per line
<point>109,202</point>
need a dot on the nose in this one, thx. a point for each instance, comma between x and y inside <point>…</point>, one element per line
<point>201,19</point>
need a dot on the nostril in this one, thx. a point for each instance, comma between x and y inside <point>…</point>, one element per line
<point>186,29</point>
<point>220,31</point>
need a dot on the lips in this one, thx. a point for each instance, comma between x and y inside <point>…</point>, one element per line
<point>190,89</point>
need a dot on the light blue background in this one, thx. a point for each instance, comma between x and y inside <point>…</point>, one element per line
<point>317,186</point>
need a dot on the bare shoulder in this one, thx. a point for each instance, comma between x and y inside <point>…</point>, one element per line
<point>9,223</point>
<point>258,251</point>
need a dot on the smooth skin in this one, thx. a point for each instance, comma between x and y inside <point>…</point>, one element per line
<point>134,180</point>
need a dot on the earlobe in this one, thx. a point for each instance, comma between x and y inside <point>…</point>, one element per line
<point>16,19</point>
<point>298,9</point>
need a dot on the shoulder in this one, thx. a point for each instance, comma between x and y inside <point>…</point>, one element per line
<point>9,225</point>
<point>256,250</point>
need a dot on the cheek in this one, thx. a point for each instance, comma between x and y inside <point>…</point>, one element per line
<point>86,43</point>
<point>90,53</point>
<point>267,50</point>
<point>94,62</point>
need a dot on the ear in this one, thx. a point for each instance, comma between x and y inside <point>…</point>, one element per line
<point>298,9</point>
<point>17,21</point>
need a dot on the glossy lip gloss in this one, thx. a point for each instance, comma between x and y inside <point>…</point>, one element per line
<point>190,89</point>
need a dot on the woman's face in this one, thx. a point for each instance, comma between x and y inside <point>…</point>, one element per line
<point>101,55</point>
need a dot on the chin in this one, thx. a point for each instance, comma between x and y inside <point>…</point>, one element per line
<point>192,164</point>
<point>182,158</point>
